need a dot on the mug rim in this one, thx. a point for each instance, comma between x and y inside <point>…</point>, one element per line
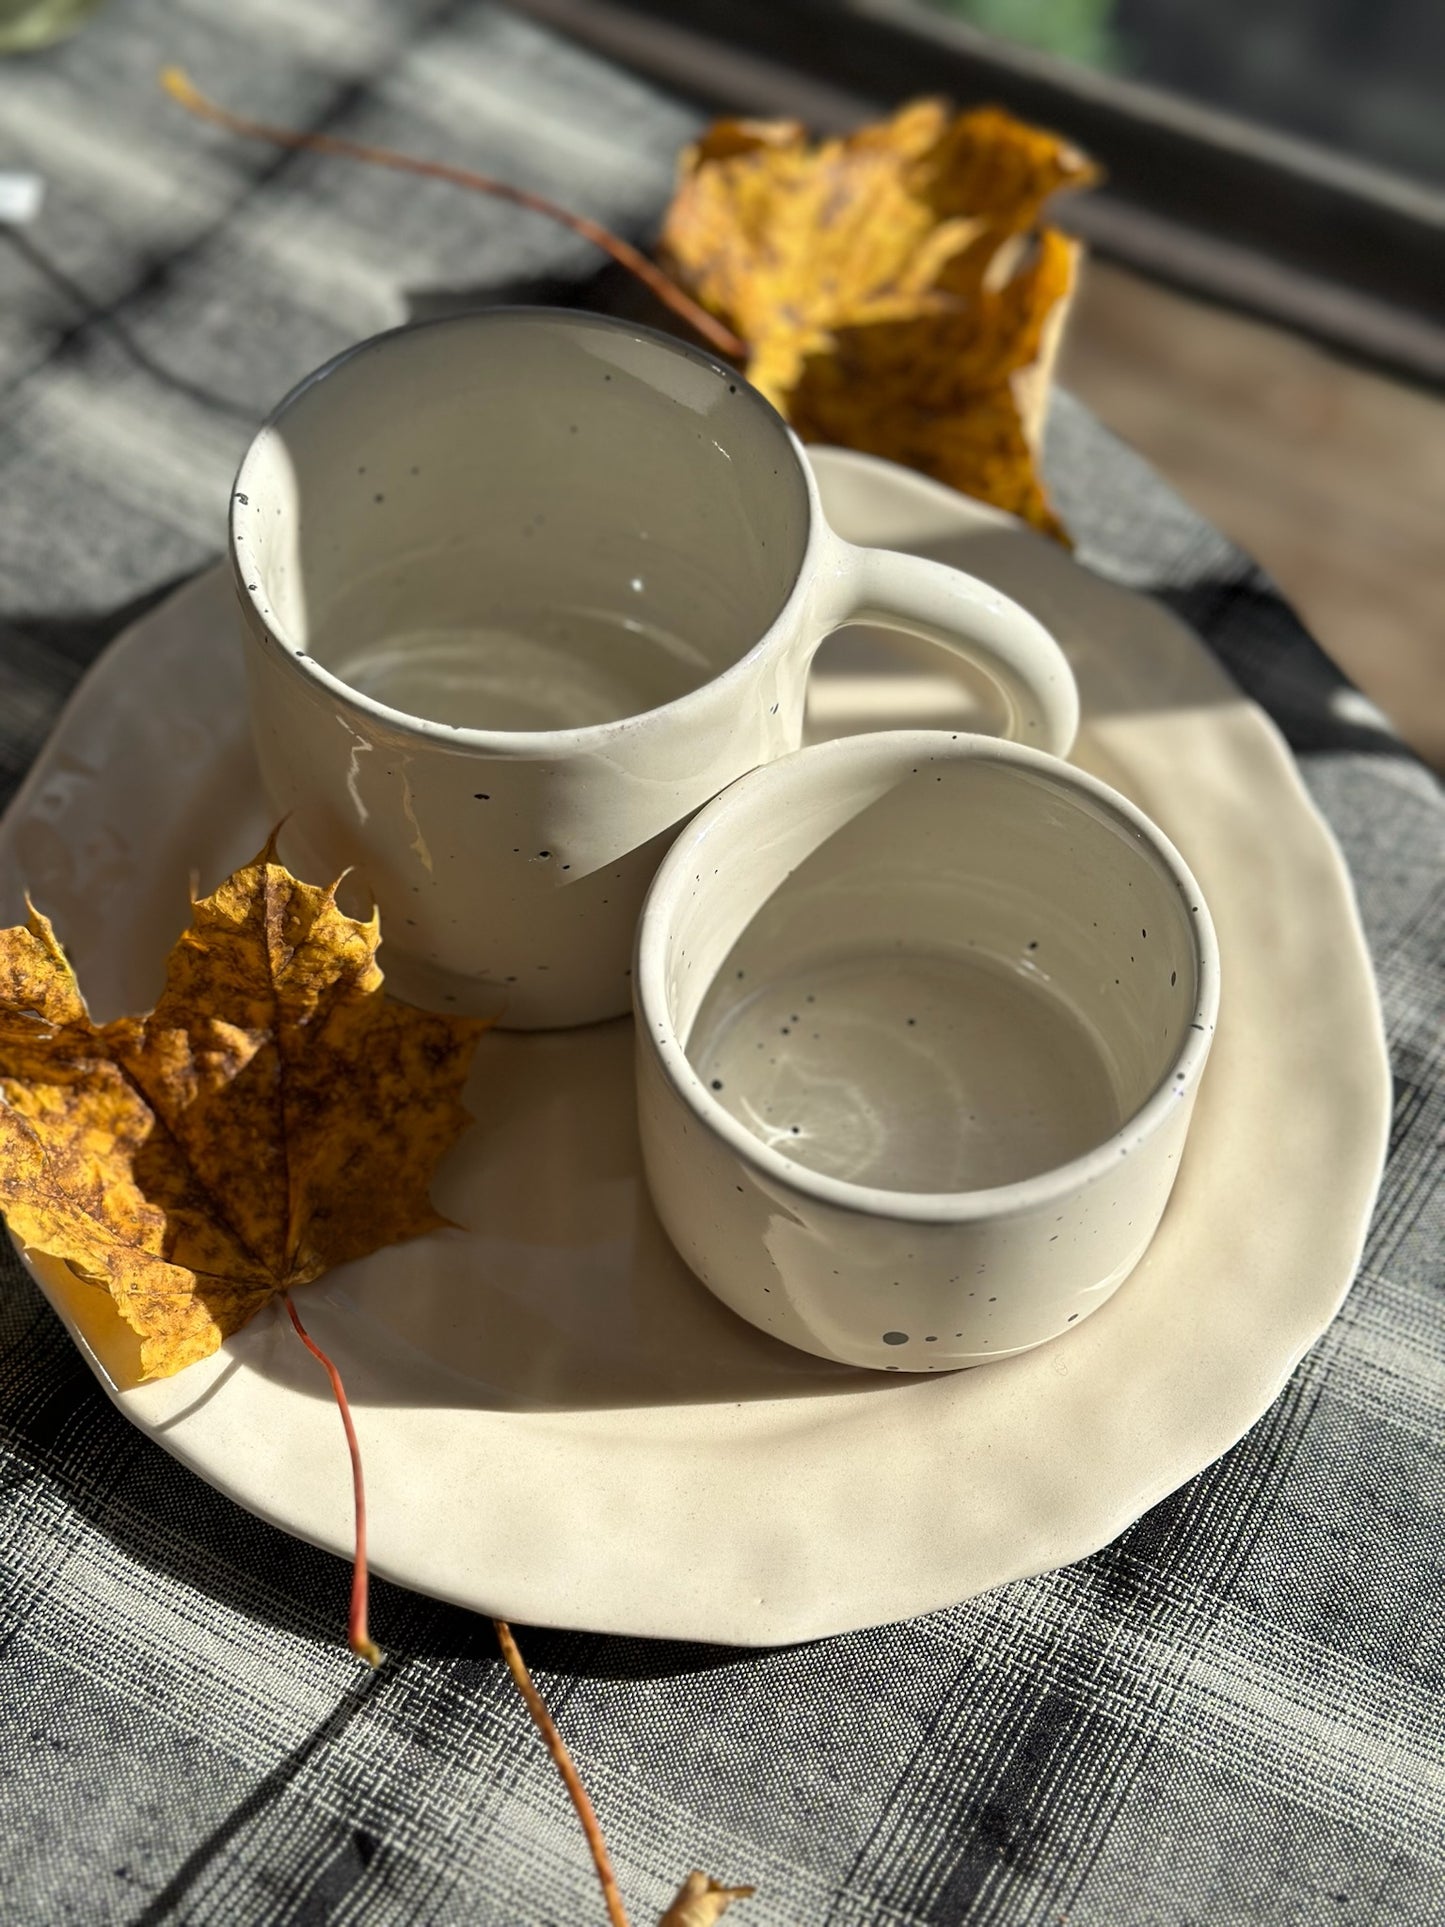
<point>658,1034</point>
<point>521,742</point>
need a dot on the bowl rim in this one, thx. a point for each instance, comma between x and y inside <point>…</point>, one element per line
<point>658,1036</point>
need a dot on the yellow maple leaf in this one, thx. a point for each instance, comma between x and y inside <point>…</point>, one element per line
<point>700,1901</point>
<point>276,1113</point>
<point>894,287</point>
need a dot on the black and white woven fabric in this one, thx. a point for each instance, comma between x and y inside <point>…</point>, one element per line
<point>1234,1715</point>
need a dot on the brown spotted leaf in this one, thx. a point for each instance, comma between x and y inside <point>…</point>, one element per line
<point>276,1113</point>
<point>895,287</point>
<point>701,1901</point>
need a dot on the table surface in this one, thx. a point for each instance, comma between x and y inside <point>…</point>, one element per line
<point>1332,474</point>
<point>1231,1715</point>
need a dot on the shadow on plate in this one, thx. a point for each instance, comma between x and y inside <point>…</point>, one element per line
<point>169,1522</point>
<point>560,1291</point>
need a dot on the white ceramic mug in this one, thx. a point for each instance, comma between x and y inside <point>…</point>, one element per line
<point>522,590</point>
<point>920,1024</point>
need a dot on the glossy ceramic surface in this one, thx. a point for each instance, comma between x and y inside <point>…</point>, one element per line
<point>559,1423</point>
<point>921,1019</point>
<point>521,591</point>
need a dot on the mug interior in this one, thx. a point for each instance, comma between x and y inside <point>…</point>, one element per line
<point>522,520</point>
<point>926,969</point>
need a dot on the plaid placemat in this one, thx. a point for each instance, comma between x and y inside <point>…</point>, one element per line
<point>1233,1715</point>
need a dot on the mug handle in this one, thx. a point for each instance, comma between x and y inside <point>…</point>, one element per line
<point>985,627</point>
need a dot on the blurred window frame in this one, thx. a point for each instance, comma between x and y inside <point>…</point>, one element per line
<point>1341,250</point>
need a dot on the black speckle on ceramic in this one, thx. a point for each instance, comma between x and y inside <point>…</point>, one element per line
<point>895,1338</point>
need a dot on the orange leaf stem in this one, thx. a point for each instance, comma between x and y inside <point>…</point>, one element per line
<point>182,90</point>
<point>571,1779</point>
<point>358,1638</point>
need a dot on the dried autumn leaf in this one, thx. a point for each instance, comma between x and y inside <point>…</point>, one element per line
<point>701,1901</point>
<point>275,1114</point>
<point>895,288</point>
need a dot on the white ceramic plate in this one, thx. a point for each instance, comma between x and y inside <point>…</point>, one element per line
<point>559,1425</point>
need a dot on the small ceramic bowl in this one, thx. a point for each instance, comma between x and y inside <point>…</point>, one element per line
<point>920,1024</point>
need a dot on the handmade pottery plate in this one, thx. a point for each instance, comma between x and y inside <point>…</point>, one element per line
<point>559,1424</point>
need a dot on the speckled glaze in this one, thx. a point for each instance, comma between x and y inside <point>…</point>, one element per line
<point>560,1425</point>
<point>550,479</point>
<point>877,852</point>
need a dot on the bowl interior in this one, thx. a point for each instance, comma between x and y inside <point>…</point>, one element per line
<point>930,970</point>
